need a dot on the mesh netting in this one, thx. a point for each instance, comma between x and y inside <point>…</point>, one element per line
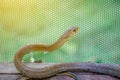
<point>43,21</point>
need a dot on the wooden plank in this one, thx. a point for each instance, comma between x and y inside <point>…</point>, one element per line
<point>9,76</point>
<point>10,67</point>
<point>8,71</point>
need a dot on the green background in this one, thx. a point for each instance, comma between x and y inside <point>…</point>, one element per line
<point>24,22</point>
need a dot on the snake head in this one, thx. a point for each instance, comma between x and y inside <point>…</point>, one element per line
<point>70,32</point>
<point>73,30</point>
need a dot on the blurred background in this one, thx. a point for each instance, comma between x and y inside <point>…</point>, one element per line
<point>24,22</point>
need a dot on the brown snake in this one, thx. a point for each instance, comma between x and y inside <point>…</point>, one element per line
<point>42,47</point>
<point>63,67</point>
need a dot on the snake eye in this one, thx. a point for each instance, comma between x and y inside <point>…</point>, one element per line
<point>74,30</point>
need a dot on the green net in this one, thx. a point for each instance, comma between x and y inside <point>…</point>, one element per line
<point>43,21</point>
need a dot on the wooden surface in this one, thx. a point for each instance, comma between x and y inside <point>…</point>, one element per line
<point>9,72</point>
<point>10,67</point>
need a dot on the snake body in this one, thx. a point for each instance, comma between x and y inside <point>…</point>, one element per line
<point>40,73</point>
<point>113,70</point>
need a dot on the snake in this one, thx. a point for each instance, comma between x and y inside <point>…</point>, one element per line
<point>108,69</point>
<point>32,73</point>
